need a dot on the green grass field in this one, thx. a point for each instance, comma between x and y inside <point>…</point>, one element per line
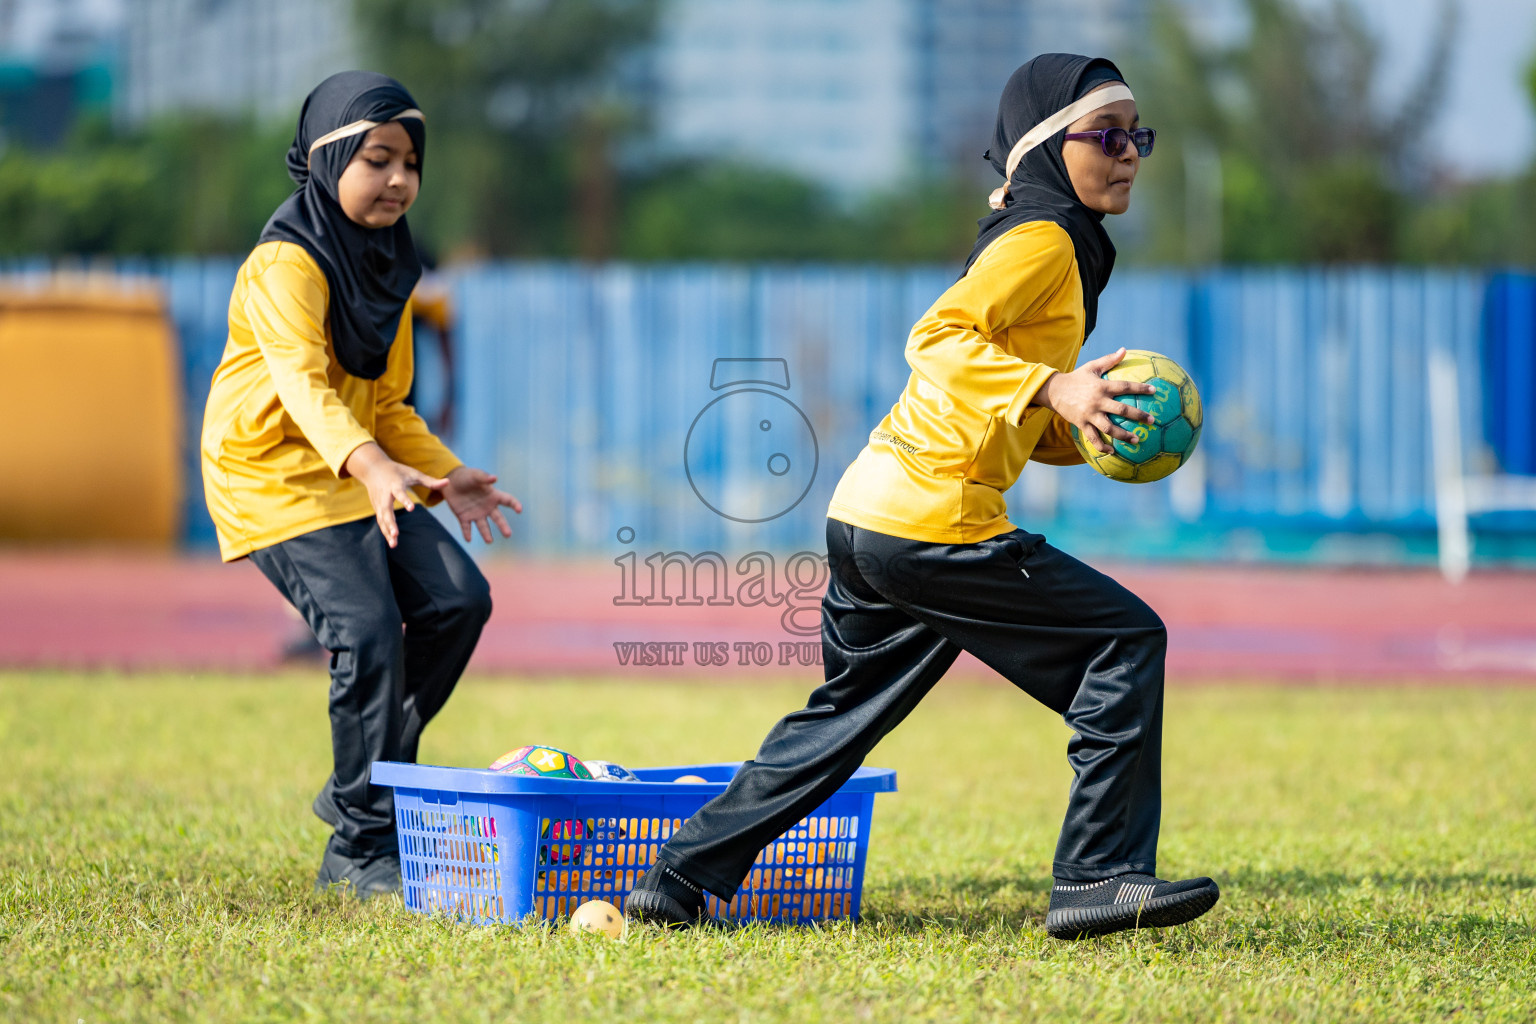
<point>1374,849</point>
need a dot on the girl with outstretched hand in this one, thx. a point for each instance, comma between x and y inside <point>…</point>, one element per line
<point>316,468</point>
<point>925,562</point>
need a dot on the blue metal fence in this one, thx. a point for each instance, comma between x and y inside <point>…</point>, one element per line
<point>578,385</point>
<point>584,383</point>
<point>1510,357</point>
<point>1316,386</point>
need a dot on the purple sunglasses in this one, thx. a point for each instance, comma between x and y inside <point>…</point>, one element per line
<point>1113,140</point>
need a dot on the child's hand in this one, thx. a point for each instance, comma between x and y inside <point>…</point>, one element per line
<point>474,500</point>
<point>1085,400</point>
<point>388,481</point>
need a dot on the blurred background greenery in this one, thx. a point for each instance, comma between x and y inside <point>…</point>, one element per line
<point>1275,147</point>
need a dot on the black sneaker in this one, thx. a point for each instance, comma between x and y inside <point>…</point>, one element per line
<point>664,897</point>
<point>1081,910</point>
<point>364,877</point>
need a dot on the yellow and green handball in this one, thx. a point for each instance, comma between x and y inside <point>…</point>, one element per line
<point>1160,449</point>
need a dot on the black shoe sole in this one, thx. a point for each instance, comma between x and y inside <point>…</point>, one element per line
<point>650,907</point>
<point>1163,912</point>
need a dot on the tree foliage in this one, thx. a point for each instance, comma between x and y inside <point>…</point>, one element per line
<point>1281,146</point>
<point>1278,146</point>
<point>712,210</point>
<point>181,185</point>
<point>527,106</point>
<point>539,138</point>
<point>1315,164</point>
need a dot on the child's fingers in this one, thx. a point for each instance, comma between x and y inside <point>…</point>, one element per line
<point>1108,428</point>
<point>464,525</point>
<point>1127,387</point>
<point>416,478</point>
<point>1106,362</point>
<point>1130,412</point>
<point>1103,362</point>
<point>501,523</point>
<point>387,525</point>
<point>1120,433</point>
<point>402,494</point>
<point>485,530</point>
<point>1091,434</point>
<point>502,497</point>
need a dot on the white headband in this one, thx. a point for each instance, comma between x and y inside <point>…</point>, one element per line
<point>1053,124</point>
<point>346,131</point>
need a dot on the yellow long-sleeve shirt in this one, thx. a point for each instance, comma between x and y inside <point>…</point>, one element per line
<point>283,416</point>
<point>936,467</point>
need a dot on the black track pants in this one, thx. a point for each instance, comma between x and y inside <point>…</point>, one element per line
<point>400,625</point>
<point>895,616</point>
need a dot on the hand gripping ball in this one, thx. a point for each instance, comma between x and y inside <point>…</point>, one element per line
<point>1159,449</point>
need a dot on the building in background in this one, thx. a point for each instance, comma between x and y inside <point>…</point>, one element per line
<point>230,56</point>
<point>853,95</point>
<point>859,94</point>
<point>56,61</point>
<point>1109,28</point>
<point>962,51</point>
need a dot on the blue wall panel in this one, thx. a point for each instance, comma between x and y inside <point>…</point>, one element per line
<point>1313,383</point>
<point>578,385</point>
<point>1510,354</point>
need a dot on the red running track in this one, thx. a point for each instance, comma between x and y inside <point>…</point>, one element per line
<point>123,610</point>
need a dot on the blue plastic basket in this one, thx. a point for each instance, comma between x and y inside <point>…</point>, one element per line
<point>490,847</point>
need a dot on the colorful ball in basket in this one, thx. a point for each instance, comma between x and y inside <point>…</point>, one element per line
<point>555,846</point>
<point>607,771</point>
<point>544,762</point>
<point>1159,449</point>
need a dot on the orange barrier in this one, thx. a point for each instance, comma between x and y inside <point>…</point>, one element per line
<point>90,415</point>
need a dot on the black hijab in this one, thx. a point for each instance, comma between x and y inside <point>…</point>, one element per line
<point>371,271</point>
<point>1040,188</point>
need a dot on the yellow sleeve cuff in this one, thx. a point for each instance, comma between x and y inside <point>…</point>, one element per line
<point>335,446</point>
<point>1034,380</point>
